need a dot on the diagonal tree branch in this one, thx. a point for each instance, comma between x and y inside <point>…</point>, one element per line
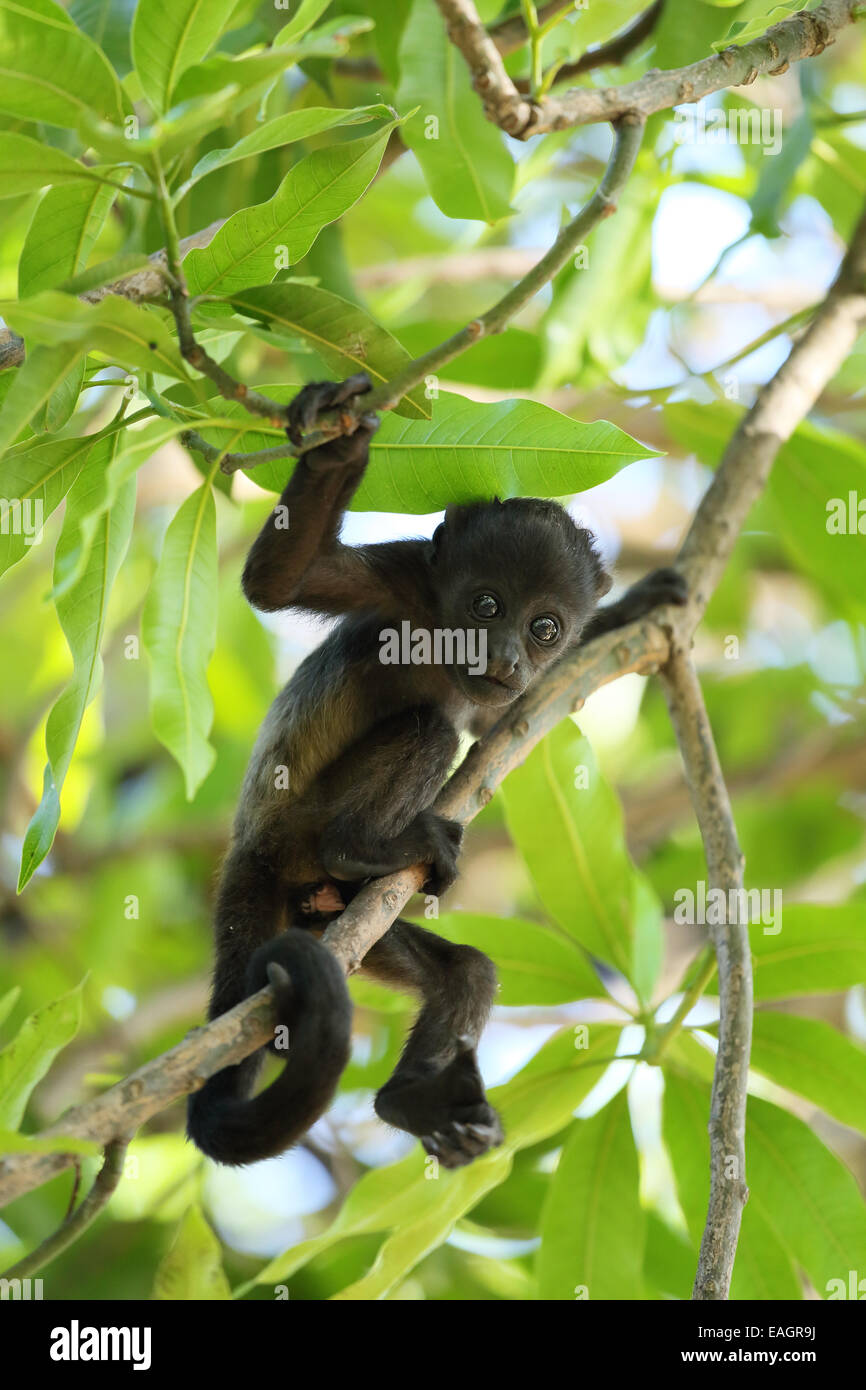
<point>234,1035</point>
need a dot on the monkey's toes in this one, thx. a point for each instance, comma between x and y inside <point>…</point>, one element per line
<point>461,1141</point>
<point>667,586</point>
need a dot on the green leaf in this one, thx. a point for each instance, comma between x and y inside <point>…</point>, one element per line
<point>317,190</point>
<point>60,406</point>
<point>810,486</point>
<point>26,1059</point>
<point>192,1270</point>
<point>171,135</point>
<point>669,1261</point>
<point>471,452</point>
<point>307,13</point>
<point>105,273</point>
<point>51,72</point>
<point>408,1244</point>
<point>39,477</point>
<point>62,234</point>
<point>127,333</point>
<point>807,499</point>
<point>179,627</point>
<point>168,36</point>
<point>819,950</point>
<point>82,610</point>
<point>250,73</point>
<point>8,1002</point>
<point>108,23</point>
<point>534,963</point>
<point>744,29</point>
<point>283,130</point>
<point>593,1228</point>
<point>422,1210</point>
<point>812,1059</point>
<point>15,1143</point>
<point>43,372</point>
<point>567,823</point>
<point>467,168</point>
<point>804,1207</point>
<point>123,452</point>
<point>26,166</point>
<point>345,336</point>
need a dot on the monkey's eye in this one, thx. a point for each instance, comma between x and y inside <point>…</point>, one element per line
<point>485,606</point>
<point>544,629</point>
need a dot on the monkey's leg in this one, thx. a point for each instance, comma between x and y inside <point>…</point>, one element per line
<point>436,1091</point>
<point>373,792</point>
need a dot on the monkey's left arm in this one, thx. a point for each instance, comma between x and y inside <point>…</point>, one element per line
<point>653,591</point>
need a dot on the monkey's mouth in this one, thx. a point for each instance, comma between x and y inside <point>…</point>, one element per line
<point>487,690</point>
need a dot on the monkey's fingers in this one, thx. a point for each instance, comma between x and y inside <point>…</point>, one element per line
<point>318,397</point>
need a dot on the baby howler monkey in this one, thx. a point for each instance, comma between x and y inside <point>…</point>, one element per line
<point>343,777</point>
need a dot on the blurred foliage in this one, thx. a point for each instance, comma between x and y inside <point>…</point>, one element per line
<point>367,215</point>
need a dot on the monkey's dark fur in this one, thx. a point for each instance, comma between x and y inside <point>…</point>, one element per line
<point>367,748</point>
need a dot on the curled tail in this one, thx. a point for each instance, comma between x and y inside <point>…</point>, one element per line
<point>312,1005</point>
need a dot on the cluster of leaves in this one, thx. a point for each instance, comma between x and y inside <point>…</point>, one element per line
<point>248,118</point>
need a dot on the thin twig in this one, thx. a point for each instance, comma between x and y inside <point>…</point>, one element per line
<point>602,204</point>
<point>612,51</point>
<point>77,1222</point>
<point>192,351</point>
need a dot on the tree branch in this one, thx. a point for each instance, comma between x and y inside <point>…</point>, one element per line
<point>503,104</point>
<point>140,285</point>
<point>97,1199</point>
<point>725,863</point>
<point>802,36</point>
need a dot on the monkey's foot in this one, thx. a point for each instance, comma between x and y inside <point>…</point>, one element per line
<point>325,898</point>
<point>655,589</point>
<point>319,396</point>
<point>461,1141</point>
<point>447,1110</point>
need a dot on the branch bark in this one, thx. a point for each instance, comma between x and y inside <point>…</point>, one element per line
<point>802,36</point>
<point>725,863</point>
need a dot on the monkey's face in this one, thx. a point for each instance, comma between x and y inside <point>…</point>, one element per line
<point>510,637</point>
<point>516,583</point>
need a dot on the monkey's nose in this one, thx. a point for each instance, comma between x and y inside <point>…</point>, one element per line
<point>501,668</point>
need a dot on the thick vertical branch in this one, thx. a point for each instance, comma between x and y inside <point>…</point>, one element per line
<point>728,1191</point>
<point>738,481</point>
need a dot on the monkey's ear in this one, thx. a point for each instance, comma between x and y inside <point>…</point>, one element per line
<point>435,543</point>
<point>605,582</point>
